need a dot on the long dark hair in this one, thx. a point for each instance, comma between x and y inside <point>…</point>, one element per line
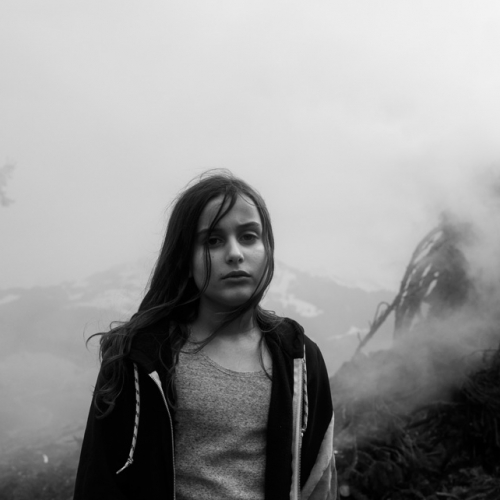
<point>172,298</point>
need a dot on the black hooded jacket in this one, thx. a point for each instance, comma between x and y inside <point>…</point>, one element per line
<point>129,453</point>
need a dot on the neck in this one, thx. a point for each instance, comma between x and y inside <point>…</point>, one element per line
<point>208,322</point>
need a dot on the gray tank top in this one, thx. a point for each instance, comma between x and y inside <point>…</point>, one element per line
<point>220,439</point>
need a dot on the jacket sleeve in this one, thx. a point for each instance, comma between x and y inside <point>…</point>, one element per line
<point>321,483</point>
<point>104,449</point>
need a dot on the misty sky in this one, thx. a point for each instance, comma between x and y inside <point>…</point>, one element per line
<point>358,122</point>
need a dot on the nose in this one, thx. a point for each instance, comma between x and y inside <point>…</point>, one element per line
<point>234,253</point>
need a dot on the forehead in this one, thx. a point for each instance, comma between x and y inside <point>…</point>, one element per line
<point>242,212</point>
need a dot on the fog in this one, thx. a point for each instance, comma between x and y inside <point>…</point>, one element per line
<point>449,337</point>
<point>354,120</point>
<point>359,122</point>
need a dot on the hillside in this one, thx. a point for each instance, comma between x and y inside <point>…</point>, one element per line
<point>47,373</point>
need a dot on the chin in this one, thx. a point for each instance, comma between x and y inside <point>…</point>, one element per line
<point>234,302</point>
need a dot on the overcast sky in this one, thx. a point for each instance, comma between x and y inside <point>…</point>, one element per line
<point>358,122</point>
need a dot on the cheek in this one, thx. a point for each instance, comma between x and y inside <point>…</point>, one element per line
<point>260,257</point>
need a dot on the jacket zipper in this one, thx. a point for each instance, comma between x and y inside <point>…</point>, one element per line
<point>297,436</point>
<point>156,379</point>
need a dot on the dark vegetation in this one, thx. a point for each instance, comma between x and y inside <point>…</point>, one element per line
<point>395,446</point>
<point>421,421</point>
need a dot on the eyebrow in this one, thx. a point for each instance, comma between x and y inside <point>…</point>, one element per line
<point>242,227</point>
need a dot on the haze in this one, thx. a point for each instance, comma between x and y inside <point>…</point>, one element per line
<point>358,122</point>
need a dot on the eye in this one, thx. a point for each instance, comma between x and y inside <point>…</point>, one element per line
<point>213,241</point>
<point>249,237</point>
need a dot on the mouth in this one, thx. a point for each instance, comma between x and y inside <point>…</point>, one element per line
<point>236,274</point>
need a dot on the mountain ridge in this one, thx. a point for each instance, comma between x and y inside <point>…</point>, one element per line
<point>47,373</point>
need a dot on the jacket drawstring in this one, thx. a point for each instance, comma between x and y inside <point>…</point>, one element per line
<point>305,411</point>
<point>130,458</point>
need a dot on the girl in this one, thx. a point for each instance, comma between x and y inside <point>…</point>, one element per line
<point>203,394</point>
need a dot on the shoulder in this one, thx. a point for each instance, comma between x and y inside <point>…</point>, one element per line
<point>292,338</point>
<point>150,348</point>
<point>297,343</point>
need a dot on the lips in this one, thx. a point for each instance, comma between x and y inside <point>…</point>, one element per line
<point>236,274</point>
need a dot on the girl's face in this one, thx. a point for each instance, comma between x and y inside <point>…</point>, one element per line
<point>237,253</point>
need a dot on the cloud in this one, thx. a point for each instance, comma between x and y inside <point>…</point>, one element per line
<point>355,121</point>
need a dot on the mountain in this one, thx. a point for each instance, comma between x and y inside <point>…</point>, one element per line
<point>47,373</point>
<point>334,316</point>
